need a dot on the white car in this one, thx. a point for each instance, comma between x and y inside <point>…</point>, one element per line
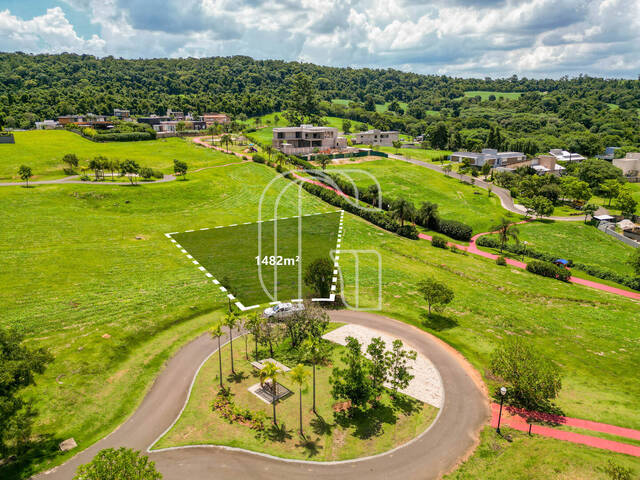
<point>282,309</point>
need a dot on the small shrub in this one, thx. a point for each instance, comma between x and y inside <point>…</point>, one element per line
<point>455,229</point>
<point>258,158</point>
<point>146,173</point>
<point>158,174</point>
<point>438,242</point>
<point>85,178</point>
<point>501,261</point>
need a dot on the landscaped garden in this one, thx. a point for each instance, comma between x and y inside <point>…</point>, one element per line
<point>243,415</point>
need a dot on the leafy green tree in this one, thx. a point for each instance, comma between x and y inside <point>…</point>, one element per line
<point>299,376</point>
<point>595,172</point>
<point>428,215</point>
<point>402,210</point>
<point>303,102</point>
<point>318,275</point>
<point>254,327</point>
<point>226,139</point>
<point>216,332</point>
<point>379,364</point>
<point>575,189</point>
<point>110,464</point>
<point>505,230</point>
<point>436,294</point>
<point>25,173</point>
<point>447,169</point>
<point>180,168</point>
<point>534,379</point>
<point>439,136</point>
<point>131,169</point>
<point>397,144</point>
<point>398,366</point>
<point>323,160</point>
<point>352,382</point>
<point>230,321</point>
<point>539,205</point>
<point>626,203</point>
<point>71,159</point>
<point>346,126</point>
<point>634,261</point>
<point>270,371</point>
<point>589,210</point>
<point>610,189</point>
<point>20,364</point>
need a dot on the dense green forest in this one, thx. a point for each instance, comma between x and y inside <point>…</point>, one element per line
<point>583,114</point>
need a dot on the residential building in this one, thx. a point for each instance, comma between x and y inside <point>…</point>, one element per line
<point>121,114</point>
<point>609,153</point>
<point>175,115</point>
<point>376,137</point>
<point>67,119</point>
<point>153,119</point>
<point>214,118</point>
<point>47,125</point>
<point>564,156</point>
<point>305,139</point>
<point>630,165</point>
<point>490,156</point>
<point>547,164</point>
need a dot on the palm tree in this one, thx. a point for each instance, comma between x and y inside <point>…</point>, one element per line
<point>211,130</point>
<point>226,139</point>
<point>216,332</point>
<point>230,321</point>
<point>269,150</point>
<point>270,371</point>
<point>402,210</point>
<point>299,376</point>
<point>505,230</point>
<point>311,347</point>
<point>242,324</point>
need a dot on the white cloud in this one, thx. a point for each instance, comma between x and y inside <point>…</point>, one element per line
<point>494,37</point>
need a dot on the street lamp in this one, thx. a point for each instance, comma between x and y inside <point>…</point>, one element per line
<point>503,392</point>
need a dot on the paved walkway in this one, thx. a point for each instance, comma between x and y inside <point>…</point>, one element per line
<point>452,436</point>
<point>517,419</point>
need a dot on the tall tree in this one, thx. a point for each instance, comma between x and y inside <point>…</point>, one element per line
<point>25,174</point>
<point>230,321</point>
<point>303,101</point>
<point>318,276</point>
<point>313,352</point>
<point>299,376</point>
<point>180,168</point>
<point>436,294</point>
<point>505,230</point>
<point>398,364</point>
<point>402,210</point>
<point>352,382</point>
<point>216,332</point>
<point>379,364</point>
<point>270,371</point>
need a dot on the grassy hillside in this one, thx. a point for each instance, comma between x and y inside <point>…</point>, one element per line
<point>88,272</point>
<point>456,200</point>
<point>485,94</point>
<point>43,150</point>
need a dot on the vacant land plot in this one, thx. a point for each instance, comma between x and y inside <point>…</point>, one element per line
<point>329,436</point>
<point>264,261</point>
<point>578,242</point>
<point>486,94</point>
<point>43,150</point>
<point>456,200</point>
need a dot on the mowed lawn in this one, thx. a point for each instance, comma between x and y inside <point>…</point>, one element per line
<point>43,150</point>
<point>229,254</point>
<point>486,94</point>
<point>578,242</point>
<point>456,200</point>
<point>88,272</point>
<point>328,438</point>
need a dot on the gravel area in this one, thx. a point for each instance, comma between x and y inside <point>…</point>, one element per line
<point>426,386</point>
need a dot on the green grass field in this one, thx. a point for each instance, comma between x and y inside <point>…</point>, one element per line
<point>230,253</point>
<point>456,200</point>
<point>485,94</point>
<point>43,150</point>
<point>328,438</point>
<point>82,261</point>
<point>417,153</point>
<point>578,242</point>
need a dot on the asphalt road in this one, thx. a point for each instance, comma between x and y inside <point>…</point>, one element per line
<point>437,451</point>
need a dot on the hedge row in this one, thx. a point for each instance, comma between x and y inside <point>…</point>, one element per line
<point>594,270</point>
<point>377,217</point>
<point>124,137</point>
<point>451,228</point>
<point>547,269</point>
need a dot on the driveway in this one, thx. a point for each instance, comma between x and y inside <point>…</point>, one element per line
<point>451,437</point>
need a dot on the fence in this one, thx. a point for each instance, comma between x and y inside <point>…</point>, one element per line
<point>608,228</point>
<point>7,138</point>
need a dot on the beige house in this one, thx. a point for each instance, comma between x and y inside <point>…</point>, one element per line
<point>490,156</point>
<point>376,137</point>
<point>214,118</point>
<point>305,139</point>
<point>630,165</point>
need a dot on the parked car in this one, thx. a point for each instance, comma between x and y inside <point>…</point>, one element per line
<point>282,309</point>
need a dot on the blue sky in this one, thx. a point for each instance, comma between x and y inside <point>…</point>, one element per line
<point>497,38</point>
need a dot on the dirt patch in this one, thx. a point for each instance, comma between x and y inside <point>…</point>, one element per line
<point>350,161</point>
<point>342,406</point>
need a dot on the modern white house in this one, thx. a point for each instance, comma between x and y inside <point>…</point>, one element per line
<point>306,139</point>
<point>376,137</point>
<point>490,156</point>
<point>564,156</point>
<point>47,125</point>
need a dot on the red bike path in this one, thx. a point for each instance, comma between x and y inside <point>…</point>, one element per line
<point>517,419</point>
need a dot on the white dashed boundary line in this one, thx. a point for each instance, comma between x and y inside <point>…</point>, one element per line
<point>230,296</point>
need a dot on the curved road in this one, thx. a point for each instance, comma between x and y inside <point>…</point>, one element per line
<point>502,193</point>
<point>450,438</point>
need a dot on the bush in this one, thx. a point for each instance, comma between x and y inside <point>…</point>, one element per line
<point>157,174</point>
<point>501,261</point>
<point>455,229</point>
<point>258,158</point>
<point>547,269</point>
<point>85,178</point>
<point>123,137</point>
<point>438,242</point>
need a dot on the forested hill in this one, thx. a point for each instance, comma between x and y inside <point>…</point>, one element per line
<point>34,87</point>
